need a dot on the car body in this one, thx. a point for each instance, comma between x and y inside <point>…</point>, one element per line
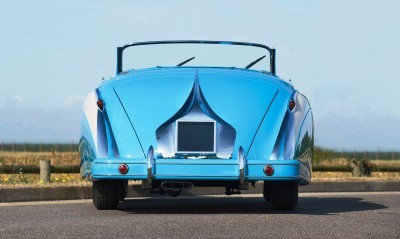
<point>178,127</point>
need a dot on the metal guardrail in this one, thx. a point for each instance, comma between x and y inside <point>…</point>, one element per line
<point>345,168</point>
<point>332,168</point>
<point>35,169</point>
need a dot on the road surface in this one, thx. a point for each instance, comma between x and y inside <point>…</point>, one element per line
<point>319,215</point>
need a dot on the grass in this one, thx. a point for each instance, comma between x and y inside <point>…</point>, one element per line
<point>57,180</point>
<point>75,179</point>
<point>33,158</point>
<point>33,179</point>
<point>345,176</point>
<point>345,161</point>
<point>29,180</point>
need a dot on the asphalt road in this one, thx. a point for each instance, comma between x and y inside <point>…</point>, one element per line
<point>319,215</point>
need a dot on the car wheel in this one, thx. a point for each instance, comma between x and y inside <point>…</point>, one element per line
<point>267,191</point>
<point>174,193</point>
<point>106,194</point>
<point>123,189</point>
<point>284,196</point>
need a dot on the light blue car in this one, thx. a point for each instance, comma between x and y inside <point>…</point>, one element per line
<point>183,114</point>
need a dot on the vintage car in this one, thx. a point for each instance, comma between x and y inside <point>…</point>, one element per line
<point>202,114</point>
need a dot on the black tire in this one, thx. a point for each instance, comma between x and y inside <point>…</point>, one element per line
<point>106,194</point>
<point>123,189</point>
<point>174,193</point>
<point>284,196</point>
<point>267,191</point>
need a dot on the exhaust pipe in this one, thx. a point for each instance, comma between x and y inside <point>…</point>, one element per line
<point>176,185</point>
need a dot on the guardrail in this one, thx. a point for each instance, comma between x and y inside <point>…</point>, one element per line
<point>345,168</point>
<point>34,169</point>
<point>44,169</point>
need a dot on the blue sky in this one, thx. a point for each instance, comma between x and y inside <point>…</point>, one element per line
<point>343,55</point>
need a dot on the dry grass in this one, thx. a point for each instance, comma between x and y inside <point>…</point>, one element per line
<point>337,161</point>
<point>344,161</point>
<point>386,162</point>
<point>33,158</point>
<point>345,176</point>
<point>33,179</point>
<point>57,180</point>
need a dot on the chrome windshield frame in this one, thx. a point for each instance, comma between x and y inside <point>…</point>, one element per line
<point>121,49</point>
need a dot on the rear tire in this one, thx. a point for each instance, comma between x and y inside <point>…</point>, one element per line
<point>106,194</point>
<point>123,189</point>
<point>284,196</point>
<point>267,191</point>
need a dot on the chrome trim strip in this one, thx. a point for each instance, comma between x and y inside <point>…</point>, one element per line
<point>150,163</point>
<point>241,162</point>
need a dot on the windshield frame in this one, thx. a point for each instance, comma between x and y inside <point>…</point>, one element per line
<point>121,49</point>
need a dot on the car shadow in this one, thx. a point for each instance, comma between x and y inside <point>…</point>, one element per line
<point>243,205</point>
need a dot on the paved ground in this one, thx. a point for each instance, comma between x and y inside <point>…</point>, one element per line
<point>319,215</point>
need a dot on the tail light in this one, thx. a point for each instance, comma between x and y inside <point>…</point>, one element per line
<point>123,168</point>
<point>100,104</point>
<point>291,104</point>
<point>268,170</point>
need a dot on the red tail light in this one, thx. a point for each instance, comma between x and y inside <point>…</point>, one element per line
<point>268,170</point>
<point>291,104</point>
<point>100,104</point>
<point>123,168</point>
